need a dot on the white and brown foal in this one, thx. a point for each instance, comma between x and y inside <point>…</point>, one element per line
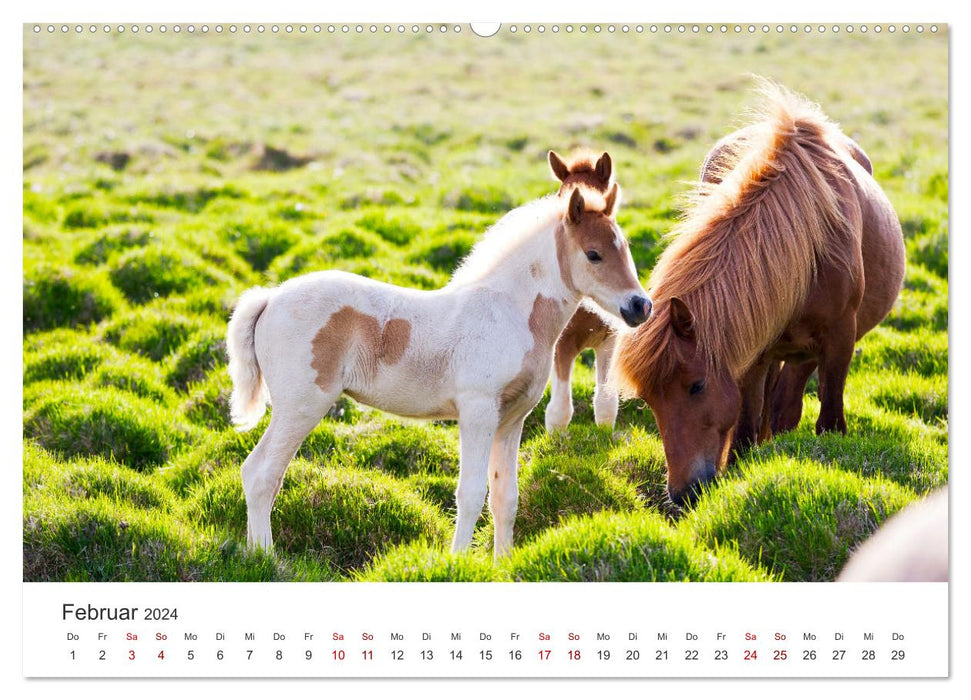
<point>478,350</point>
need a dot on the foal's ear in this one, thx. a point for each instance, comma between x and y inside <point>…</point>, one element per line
<point>574,211</point>
<point>682,320</point>
<point>612,201</point>
<point>604,168</point>
<point>559,168</point>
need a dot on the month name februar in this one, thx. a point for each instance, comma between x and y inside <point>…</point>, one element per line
<point>90,612</point>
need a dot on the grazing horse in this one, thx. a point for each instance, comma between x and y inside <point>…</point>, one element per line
<point>791,257</point>
<point>478,350</point>
<point>589,329</point>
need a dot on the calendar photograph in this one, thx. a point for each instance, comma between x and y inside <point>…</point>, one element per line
<point>435,303</point>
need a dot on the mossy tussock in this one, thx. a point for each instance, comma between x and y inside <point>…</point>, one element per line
<point>343,517</point>
<point>625,547</point>
<point>134,255</point>
<point>80,421</point>
<point>795,518</point>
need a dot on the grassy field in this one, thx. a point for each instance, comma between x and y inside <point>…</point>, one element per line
<point>163,175</point>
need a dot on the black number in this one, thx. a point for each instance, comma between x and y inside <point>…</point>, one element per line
<point>101,655</point>
<point>486,654</point>
<point>516,654</point>
<point>161,614</point>
<point>808,654</point>
<point>721,655</point>
<point>427,655</point>
<point>308,655</point>
<point>398,654</point>
<point>897,655</point>
<point>869,655</point>
<point>838,654</point>
<point>604,654</point>
<point>633,655</point>
<point>279,654</point>
<point>249,654</point>
<point>691,655</point>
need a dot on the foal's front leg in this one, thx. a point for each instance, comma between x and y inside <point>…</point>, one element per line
<point>559,411</point>
<point>477,430</point>
<point>605,398</point>
<point>504,485</point>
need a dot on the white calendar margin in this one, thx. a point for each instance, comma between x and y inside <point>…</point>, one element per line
<point>506,10</point>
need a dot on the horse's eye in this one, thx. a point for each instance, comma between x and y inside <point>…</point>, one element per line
<point>593,256</point>
<point>696,388</point>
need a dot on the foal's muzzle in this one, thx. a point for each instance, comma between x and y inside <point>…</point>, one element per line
<point>637,311</point>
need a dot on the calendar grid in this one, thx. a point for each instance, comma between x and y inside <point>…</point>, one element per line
<point>504,630</point>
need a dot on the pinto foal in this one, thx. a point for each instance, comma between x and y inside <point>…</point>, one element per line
<point>478,350</point>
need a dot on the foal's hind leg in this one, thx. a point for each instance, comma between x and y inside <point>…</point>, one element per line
<point>263,470</point>
<point>605,398</point>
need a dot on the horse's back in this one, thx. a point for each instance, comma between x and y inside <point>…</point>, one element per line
<point>725,153</point>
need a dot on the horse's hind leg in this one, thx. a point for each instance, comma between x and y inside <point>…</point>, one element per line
<point>263,470</point>
<point>834,363</point>
<point>605,398</point>
<point>786,403</point>
<point>504,485</point>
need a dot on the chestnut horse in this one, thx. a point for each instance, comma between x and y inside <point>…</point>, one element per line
<point>589,329</point>
<point>479,350</point>
<point>791,257</point>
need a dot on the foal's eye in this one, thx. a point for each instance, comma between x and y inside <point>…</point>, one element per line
<point>593,256</point>
<point>696,388</point>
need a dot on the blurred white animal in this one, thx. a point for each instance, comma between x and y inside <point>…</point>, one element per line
<point>911,546</point>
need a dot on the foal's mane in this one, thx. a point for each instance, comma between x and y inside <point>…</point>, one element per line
<point>746,253</point>
<point>516,228</point>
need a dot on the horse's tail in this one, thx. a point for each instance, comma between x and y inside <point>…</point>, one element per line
<point>248,401</point>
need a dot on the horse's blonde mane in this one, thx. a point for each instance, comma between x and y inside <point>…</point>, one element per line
<point>745,254</point>
<point>514,229</point>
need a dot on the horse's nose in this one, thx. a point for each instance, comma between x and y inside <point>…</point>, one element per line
<point>687,496</point>
<point>637,311</point>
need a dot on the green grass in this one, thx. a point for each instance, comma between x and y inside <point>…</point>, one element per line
<point>280,155</point>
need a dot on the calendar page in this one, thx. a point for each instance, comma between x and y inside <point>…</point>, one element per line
<point>396,349</point>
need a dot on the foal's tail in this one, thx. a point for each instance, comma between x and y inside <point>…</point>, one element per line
<point>248,402</point>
